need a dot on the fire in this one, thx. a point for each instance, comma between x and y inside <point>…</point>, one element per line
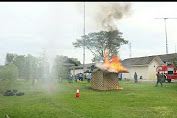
<point>117,87</point>
<point>113,65</point>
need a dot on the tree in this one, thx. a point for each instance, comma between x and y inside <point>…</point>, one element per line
<point>100,42</point>
<point>74,61</point>
<point>8,74</point>
<point>20,62</point>
<point>174,61</point>
<point>29,67</point>
<point>62,64</point>
<point>9,58</point>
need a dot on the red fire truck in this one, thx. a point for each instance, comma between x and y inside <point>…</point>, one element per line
<point>169,70</point>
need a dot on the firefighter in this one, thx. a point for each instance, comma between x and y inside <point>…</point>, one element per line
<point>76,77</point>
<point>89,77</point>
<point>159,79</point>
<point>135,78</point>
<point>80,76</point>
<point>71,77</point>
<point>163,78</point>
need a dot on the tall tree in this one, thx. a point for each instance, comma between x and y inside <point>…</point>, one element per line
<point>9,58</point>
<point>174,61</point>
<point>8,75</point>
<point>19,61</point>
<point>29,67</point>
<point>62,64</point>
<point>100,42</point>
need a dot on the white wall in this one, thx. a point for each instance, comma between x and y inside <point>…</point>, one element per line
<point>152,70</point>
<point>77,71</point>
<point>140,70</point>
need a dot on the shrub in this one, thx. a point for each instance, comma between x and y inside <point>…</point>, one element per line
<point>8,74</point>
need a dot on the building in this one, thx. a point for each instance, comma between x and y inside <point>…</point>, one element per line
<point>79,69</point>
<point>145,66</point>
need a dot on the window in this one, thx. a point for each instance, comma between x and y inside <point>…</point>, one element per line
<point>159,68</point>
<point>170,71</point>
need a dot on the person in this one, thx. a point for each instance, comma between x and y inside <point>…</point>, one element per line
<point>119,76</point>
<point>135,78</point>
<point>159,79</point>
<point>76,77</point>
<point>89,77</point>
<point>71,77</point>
<point>163,78</point>
<point>80,76</point>
<point>60,79</point>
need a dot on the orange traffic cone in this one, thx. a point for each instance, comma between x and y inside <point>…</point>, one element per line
<point>77,94</point>
<point>50,87</point>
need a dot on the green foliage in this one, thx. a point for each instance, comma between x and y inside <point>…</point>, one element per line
<point>100,42</point>
<point>10,57</point>
<point>74,61</point>
<point>8,74</point>
<point>61,66</point>
<point>174,61</point>
<point>29,67</point>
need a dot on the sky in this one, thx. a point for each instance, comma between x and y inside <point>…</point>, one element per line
<point>31,27</point>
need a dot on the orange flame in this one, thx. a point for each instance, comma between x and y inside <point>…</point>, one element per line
<point>117,87</point>
<point>115,64</point>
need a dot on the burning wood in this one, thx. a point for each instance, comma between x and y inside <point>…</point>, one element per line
<point>112,66</point>
<point>105,77</point>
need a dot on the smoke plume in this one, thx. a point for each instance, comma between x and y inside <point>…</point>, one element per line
<point>105,15</point>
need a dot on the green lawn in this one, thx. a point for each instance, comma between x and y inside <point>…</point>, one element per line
<point>135,100</point>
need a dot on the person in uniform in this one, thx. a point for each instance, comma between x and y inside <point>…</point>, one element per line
<point>89,77</point>
<point>80,76</point>
<point>159,79</point>
<point>76,77</point>
<point>135,77</point>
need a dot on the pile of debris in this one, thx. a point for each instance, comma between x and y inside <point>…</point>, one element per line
<point>12,93</point>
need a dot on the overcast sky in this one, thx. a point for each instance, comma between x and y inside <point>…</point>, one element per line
<point>30,26</point>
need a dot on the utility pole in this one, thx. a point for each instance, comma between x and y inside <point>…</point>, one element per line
<point>166,31</point>
<point>84,47</point>
<point>130,49</point>
<point>175,47</point>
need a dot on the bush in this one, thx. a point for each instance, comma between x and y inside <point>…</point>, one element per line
<point>8,74</point>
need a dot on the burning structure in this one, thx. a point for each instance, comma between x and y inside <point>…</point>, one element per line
<point>105,77</point>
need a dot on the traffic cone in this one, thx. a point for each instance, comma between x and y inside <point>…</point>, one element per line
<point>77,94</point>
<point>50,87</point>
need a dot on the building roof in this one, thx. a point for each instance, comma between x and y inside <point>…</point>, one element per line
<point>138,60</point>
<point>168,57</point>
<point>147,59</point>
<point>81,66</point>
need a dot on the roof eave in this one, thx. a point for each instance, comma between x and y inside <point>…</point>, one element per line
<point>136,65</point>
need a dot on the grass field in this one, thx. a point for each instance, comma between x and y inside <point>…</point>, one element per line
<point>135,100</point>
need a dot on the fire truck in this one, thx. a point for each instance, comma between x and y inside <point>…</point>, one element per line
<point>169,70</point>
